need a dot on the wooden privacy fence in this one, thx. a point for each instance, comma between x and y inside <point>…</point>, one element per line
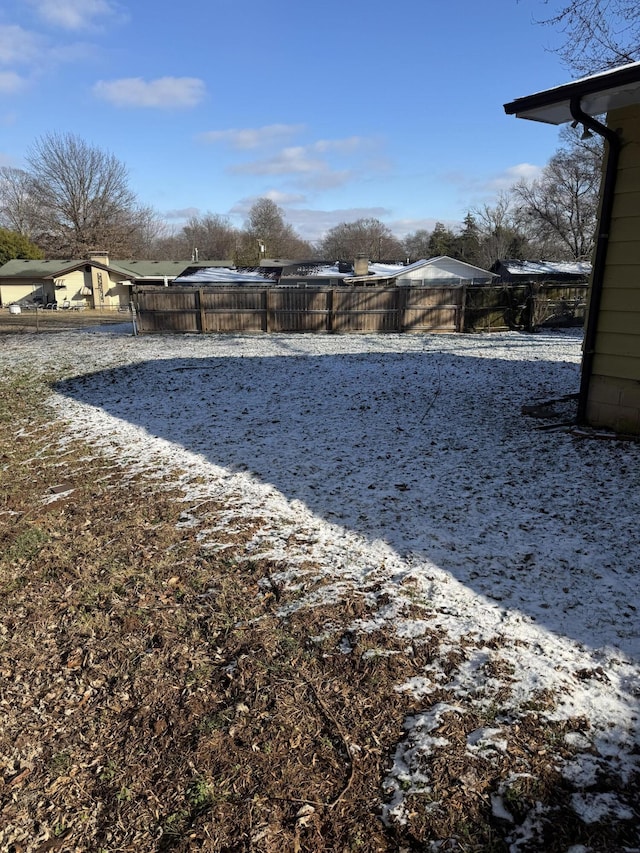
<point>526,306</point>
<point>437,308</point>
<point>282,309</point>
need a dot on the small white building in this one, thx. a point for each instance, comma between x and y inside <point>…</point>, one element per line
<point>425,273</point>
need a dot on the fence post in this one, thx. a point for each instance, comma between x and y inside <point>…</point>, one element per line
<point>462,306</point>
<point>330,301</point>
<point>401,304</point>
<point>200,307</point>
<point>268,309</point>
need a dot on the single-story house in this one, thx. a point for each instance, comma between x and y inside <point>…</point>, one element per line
<point>424,273</point>
<point>87,282</point>
<point>512,271</point>
<point>441,270</point>
<point>93,282</point>
<point>610,374</point>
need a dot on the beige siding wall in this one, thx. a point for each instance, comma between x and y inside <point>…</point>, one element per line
<point>70,291</point>
<point>22,292</point>
<point>614,393</point>
<point>107,292</point>
<point>614,404</point>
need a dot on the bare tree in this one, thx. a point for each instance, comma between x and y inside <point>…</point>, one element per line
<point>18,210</point>
<point>266,234</point>
<point>367,236</point>
<point>416,245</point>
<point>146,229</point>
<point>598,34</point>
<point>561,206</point>
<point>83,197</point>
<point>212,235</point>
<point>169,245</point>
<point>499,235</point>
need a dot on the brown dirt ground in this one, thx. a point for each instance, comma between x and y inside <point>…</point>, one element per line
<point>153,699</point>
<point>56,321</point>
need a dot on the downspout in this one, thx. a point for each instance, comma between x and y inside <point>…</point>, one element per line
<point>602,243</point>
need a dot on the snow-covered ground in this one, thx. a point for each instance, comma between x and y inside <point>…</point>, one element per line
<point>404,461</point>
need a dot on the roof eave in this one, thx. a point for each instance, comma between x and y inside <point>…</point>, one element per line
<point>598,94</point>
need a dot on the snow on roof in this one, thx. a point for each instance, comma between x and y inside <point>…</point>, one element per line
<point>316,270</point>
<point>383,271</point>
<point>223,275</point>
<point>458,262</point>
<point>386,269</point>
<point>516,267</point>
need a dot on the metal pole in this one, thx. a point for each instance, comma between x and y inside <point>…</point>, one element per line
<point>133,319</point>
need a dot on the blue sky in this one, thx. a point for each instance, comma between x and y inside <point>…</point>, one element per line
<point>336,110</point>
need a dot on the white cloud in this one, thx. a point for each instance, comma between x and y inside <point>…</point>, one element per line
<point>295,163</point>
<point>314,166</point>
<point>76,14</point>
<point>18,46</point>
<point>291,160</point>
<point>163,93</point>
<point>327,179</point>
<point>10,82</point>
<point>312,224</point>
<point>252,137</point>
<point>320,165</point>
<point>493,183</point>
<point>342,146</point>
<point>282,199</point>
<point>182,213</point>
<point>513,174</point>
<point>402,227</point>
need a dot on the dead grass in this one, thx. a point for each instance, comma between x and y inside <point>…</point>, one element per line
<point>29,322</point>
<point>153,699</point>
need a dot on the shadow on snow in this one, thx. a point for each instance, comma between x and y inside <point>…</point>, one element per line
<point>429,452</point>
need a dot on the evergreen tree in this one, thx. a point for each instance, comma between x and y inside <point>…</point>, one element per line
<point>469,240</point>
<point>444,241</point>
<point>14,245</point>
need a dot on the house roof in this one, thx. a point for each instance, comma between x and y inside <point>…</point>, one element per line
<point>471,268</point>
<point>70,266</point>
<point>597,94</point>
<point>223,275</point>
<point>21,268</point>
<point>518,267</point>
<point>160,269</point>
<point>315,270</point>
<point>379,272</point>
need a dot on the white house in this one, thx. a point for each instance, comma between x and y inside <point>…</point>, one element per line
<point>425,273</point>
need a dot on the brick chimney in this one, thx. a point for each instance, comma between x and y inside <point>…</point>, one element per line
<point>100,256</point>
<point>361,265</point>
